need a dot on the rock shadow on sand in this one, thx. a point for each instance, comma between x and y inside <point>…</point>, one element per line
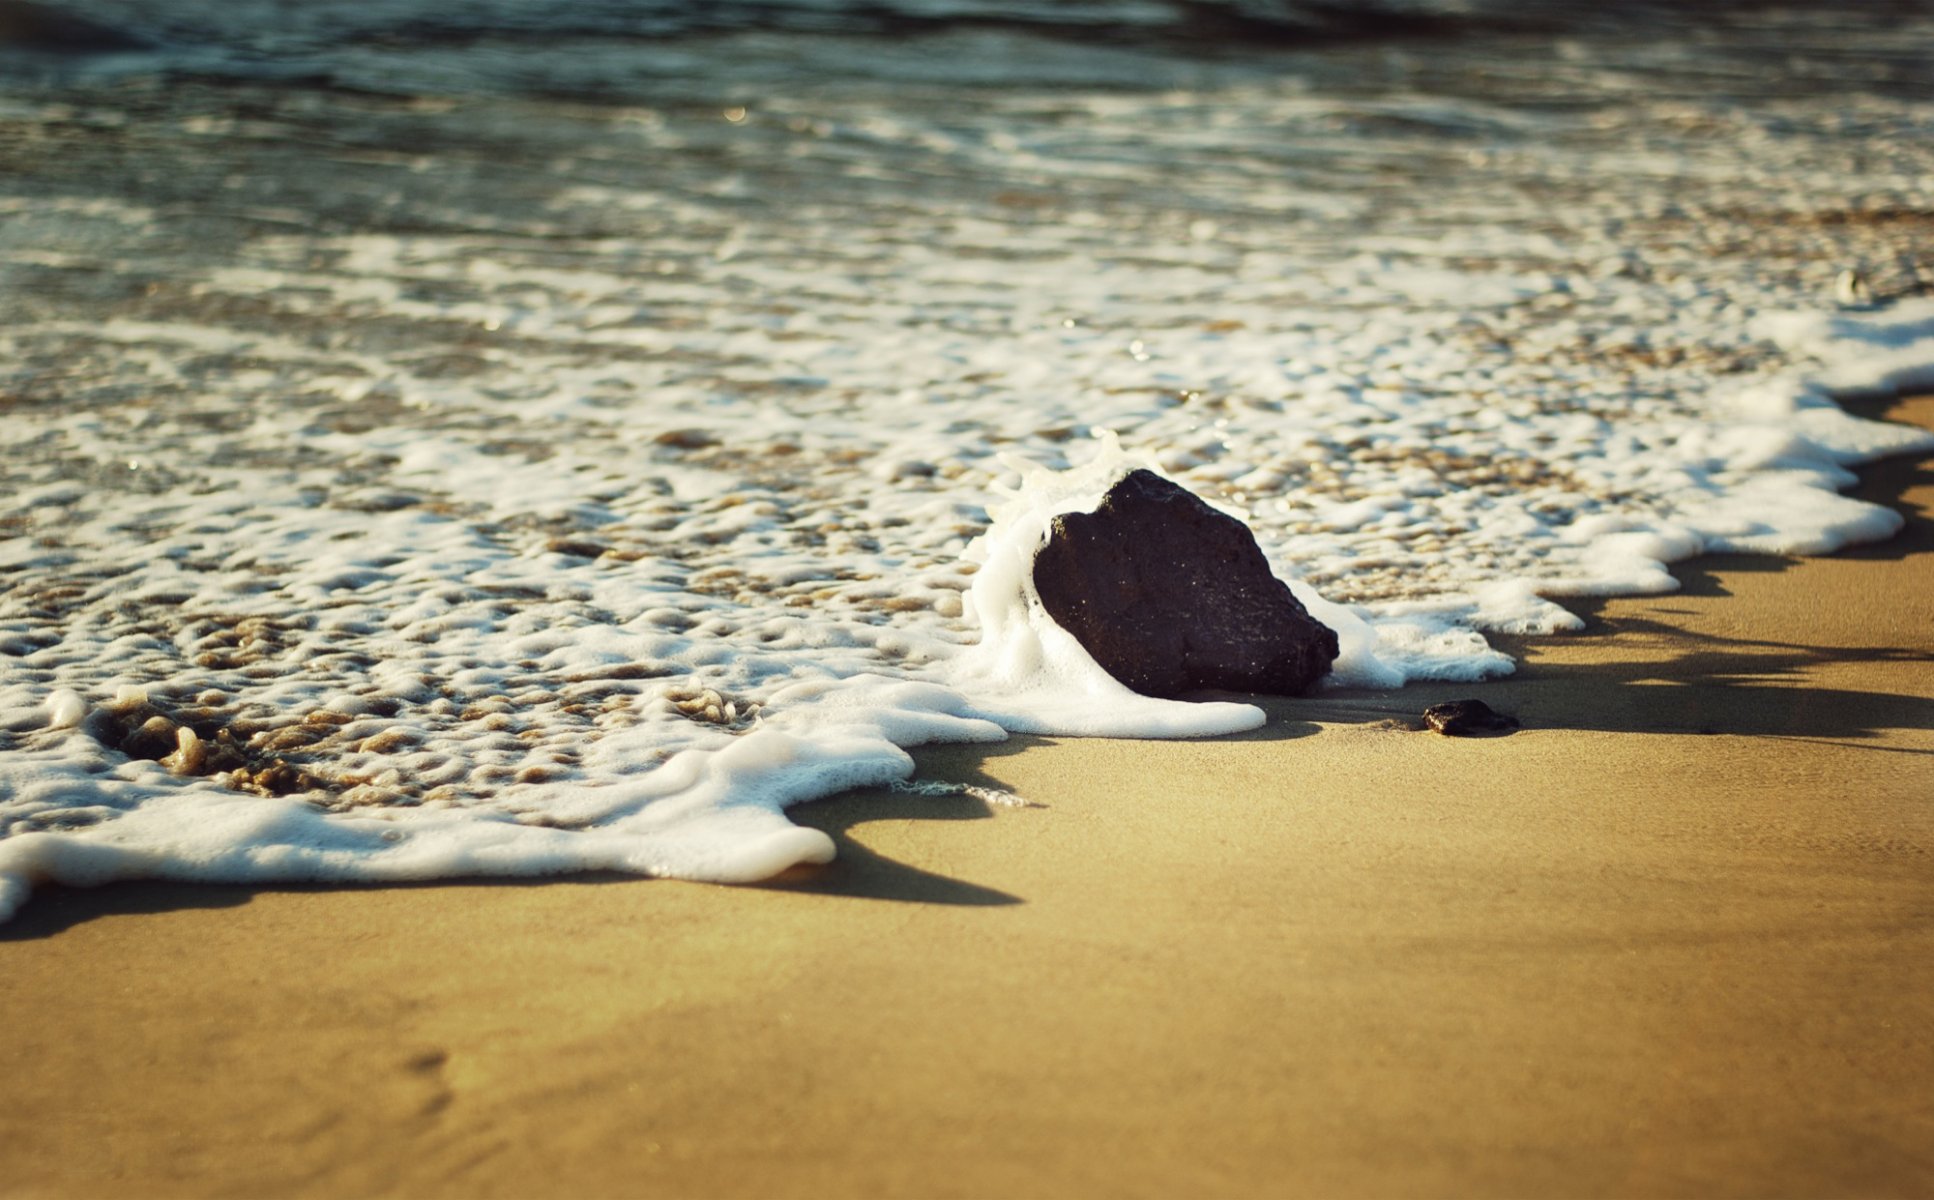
<point>1687,680</point>
<point>55,907</point>
<point>1713,684</point>
<point>860,872</point>
<point>1669,676</point>
<point>857,872</point>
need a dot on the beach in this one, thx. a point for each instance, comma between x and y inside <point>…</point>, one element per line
<point>1671,938</point>
<point>522,670</point>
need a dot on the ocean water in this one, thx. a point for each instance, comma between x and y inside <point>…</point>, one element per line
<point>526,438</point>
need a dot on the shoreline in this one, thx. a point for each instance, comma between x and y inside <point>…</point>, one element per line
<point>1671,938</point>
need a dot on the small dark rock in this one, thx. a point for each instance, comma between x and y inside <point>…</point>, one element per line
<point>375,501</point>
<point>277,778</point>
<point>686,439</point>
<point>195,755</point>
<point>1468,718</point>
<point>1170,596</point>
<point>153,739</point>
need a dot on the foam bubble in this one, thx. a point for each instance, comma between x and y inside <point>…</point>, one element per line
<point>64,709</point>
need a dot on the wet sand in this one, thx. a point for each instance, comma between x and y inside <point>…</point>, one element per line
<point>1676,937</point>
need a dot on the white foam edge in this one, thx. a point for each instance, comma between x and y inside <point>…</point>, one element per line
<point>1884,350</point>
<point>1784,445</point>
<point>711,814</point>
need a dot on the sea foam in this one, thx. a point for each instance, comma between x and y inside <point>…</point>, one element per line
<point>713,811</point>
<point>583,501</point>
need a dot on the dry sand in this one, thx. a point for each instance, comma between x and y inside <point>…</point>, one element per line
<point>1674,938</point>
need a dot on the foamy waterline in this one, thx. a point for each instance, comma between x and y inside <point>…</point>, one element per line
<point>587,514</point>
<point>713,810</point>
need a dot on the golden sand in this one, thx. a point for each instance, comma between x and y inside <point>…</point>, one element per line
<point>1676,937</point>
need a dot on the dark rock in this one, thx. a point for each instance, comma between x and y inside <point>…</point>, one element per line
<point>278,778</point>
<point>1170,595</point>
<point>1467,718</point>
<point>154,738</point>
<point>222,755</point>
<point>196,755</point>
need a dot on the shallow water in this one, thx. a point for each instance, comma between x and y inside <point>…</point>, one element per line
<point>464,428</point>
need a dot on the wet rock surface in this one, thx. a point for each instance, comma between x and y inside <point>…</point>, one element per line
<point>1468,718</point>
<point>1171,596</point>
